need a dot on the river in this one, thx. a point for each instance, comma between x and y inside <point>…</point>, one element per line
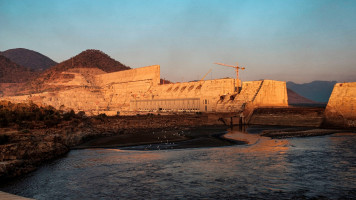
<point>299,168</point>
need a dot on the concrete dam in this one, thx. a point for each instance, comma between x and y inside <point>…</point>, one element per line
<point>341,108</point>
<point>139,91</point>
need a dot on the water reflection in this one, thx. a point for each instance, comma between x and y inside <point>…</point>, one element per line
<point>263,168</point>
<point>346,163</point>
<point>258,143</point>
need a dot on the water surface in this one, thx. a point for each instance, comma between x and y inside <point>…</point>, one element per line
<point>314,167</point>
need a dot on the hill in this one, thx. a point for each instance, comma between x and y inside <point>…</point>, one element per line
<point>13,76</point>
<point>318,91</point>
<point>11,72</point>
<point>294,98</point>
<point>89,59</point>
<point>28,58</point>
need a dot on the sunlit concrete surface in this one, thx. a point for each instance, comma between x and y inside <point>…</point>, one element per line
<point>341,108</point>
<point>7,196</point>
<point>139,90</point>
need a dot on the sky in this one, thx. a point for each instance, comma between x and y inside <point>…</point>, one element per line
<point>286,40</point>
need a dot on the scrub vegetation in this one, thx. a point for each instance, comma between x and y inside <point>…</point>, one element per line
<point>30,116</point>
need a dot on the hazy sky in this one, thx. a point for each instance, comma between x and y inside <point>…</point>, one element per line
<point>296,40</point>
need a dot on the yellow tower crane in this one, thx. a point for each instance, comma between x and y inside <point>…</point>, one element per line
<point>236,68</point>
<point>237,71</point>
<point>205,75</point>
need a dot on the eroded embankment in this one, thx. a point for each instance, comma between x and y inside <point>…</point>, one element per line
<point>159,139</point>
<point>23,150</point>
<point>276,135</point>
<point>298,132</point>
<point>291,116</point>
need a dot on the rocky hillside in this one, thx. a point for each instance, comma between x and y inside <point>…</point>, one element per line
<point>94,59</point>
<point>90,58</point>
<point>28,58</point>
<point>11,72</point>
<point>319,91</point>
<point>295,98</point>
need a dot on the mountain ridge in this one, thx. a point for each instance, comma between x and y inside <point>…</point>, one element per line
<point>10,72</point>
<point>29,58</point>
<point>318,91</point>
<point>295,98</point>
<point>13,76</point>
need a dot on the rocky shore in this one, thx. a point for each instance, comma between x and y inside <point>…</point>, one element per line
<point>22,151</point>
<point>298,132</point>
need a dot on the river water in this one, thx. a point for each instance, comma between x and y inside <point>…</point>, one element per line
<point>298,168</point>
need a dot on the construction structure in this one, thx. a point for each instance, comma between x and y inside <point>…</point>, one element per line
<point>237,68</point>
<point>139,91</point>
<point>341,108</point>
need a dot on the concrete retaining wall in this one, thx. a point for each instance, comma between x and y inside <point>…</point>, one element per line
<point>341,108</point>
<point>150,73</point>
<point>272,93</point>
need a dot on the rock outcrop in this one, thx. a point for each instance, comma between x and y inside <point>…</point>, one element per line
<point>25,150</point>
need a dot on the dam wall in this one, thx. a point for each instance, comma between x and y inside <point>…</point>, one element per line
<point>84,99</point>
<point>188,96</point>
<point>341,108</point>
<point>119,88</point>
<point>149,73</point>
<point>237,101</point>
<point>265,93</point>
<point>94,91</point>
<point>271,93</point>
<point>139,90</point>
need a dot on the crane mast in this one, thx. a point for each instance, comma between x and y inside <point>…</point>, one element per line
<point>205,75</point>
<point>237,71</point>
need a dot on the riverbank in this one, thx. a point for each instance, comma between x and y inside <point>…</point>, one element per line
<point>290,116</point>
<point>264,168</point>
<point>299,132</point>
<point>158,139</point>
<point>23,150</point>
